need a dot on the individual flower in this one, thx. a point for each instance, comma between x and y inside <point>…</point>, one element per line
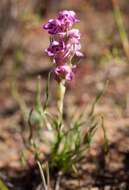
<point>53,26</point>
<point>67,18</point>
<point>74,44</point>
<point>64,72</point>
<point>55,48</point>
<point>75,50</point>
<point>72,41</point>
<point>74,35</point>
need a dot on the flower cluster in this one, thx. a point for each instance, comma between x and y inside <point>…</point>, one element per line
<point>64,44</point>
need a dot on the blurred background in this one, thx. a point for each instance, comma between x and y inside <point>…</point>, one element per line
<point>104,27</point>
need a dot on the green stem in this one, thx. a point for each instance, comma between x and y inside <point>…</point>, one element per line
<point>60,100</point>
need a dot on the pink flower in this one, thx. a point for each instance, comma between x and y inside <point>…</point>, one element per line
<point>65,44</point>
<point>53,26</point>
<point>73,45</point>
<point>55,48</point>
<point>68,18</point>
<point>65,20</point>
<point>75,49</point>
<point>74,35</point>
<point>64,72</point>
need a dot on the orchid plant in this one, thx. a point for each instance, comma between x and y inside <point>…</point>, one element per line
<point>64,46</point>
<point>68,144</point>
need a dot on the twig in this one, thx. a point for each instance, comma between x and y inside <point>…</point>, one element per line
<point>57,185</point>
<point>48,176</point>
<point>42,175</point>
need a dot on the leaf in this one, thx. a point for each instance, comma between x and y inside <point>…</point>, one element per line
<point>100,94</point>
<point>47,92</point>
<point>23,107</point>
<point>106,142</point>
<point>90,134</point>
<point>38,103</point>
<point>3,186</point>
